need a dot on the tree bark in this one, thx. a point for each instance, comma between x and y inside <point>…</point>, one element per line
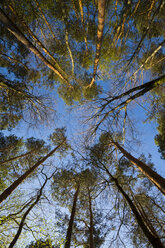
<point>17,182</point>
<point>155,241</point>
<point>17,157</point>
<point>38,41</point>
<point>24,217</point>
<point>46,21</point>
<point>91,242</point>
<point>70,226</point>
<point>100,28</point>
<point>20,36</point>
<point>152,238</point>
<point>154,177</point>
<point>144,89</point>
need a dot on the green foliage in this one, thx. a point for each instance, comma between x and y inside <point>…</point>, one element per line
<point>57,137</point>
<point>17,102</point>
<point>36,145</point>
<point>69,95</point>
<point>10,146</point>
<point>91,92</point>
<point>132,33</point>
<point>42,244</point>
<point>17,155</point>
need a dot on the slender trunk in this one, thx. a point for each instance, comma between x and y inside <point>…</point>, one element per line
<point>144,89</point>
<point>91,242</point>
<point>6,84</point>
<point>143,214</point>
<point>81,10</point>
<point>70,226</point>
<point>146,30</point>
<point>17,182</point>
<point>154,177</point>
<point>69,50</point>
<point>145,218</point>
<point>150,57</point>
<point>24,217</point>
<point>46,21</point>
<point>14,60</point>
<point>17,157</point>
<point>20,36</point>
<point>75,9</point>
<point>100,28</point>
<point>38,41</point>
<point>83,23</point>
<point>155,241</point>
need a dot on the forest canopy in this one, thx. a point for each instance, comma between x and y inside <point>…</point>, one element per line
<point>82,123</point>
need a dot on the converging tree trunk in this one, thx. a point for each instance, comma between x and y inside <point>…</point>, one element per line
<point>144,215</point>
<point>25,215</point>
<point>71,221</point>
<point>153,239</point>
<point>100,28</point>
<point>154,177</point>
<point>21,37</point>
<point>17,157</point>
<point>39,43</point>
<point>143,89</point>
<point>17,182</point>
<point>91,242</point>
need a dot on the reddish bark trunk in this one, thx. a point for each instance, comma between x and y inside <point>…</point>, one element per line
<point>154,177</point>
<point>17,182</point>
<point>70,226</point>
<point>20,36</point>
<point>91,242</point>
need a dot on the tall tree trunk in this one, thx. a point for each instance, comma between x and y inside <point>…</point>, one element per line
<point>154,177</point>
<point>144,216</point>
<point>20,36</point>
<point>17,157</point>
<point>17,182</point>
<point>153,239</point>
<point>70,226</point>
<point>91,242</point>
<point>69,49</point>
<point>143,89</point>
<point>100,28</point>
<point>25,215</point>
<point>46,21</point>
<point>38,41</point>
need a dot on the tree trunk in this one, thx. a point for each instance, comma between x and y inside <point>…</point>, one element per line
<point>100,28</point>
<point>24,217</point>
<point>155,241</point>
<point>145,217</point>
<point>46,21</point>
<point>144,88</point>
<point>17,157</point>
<point>70,226</point>
<point>20,36</point>
<point>38,41</point>
<point>91,222</point>
<point>17,182</point>
<point>154,177</point>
